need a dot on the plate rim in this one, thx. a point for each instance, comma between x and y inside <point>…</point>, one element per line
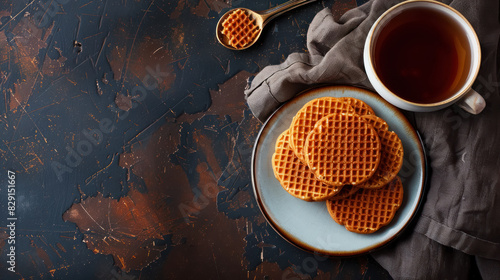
<point>369,249</point>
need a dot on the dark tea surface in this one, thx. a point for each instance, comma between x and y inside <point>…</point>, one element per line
<point>422,56</point>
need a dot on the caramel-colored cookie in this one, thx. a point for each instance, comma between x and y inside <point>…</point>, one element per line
<point>295,177</point>
<point>240,29</point>
<point>368,209</point>
<point>308,115</point>
<point>391,158</point>
<point>342,149</point>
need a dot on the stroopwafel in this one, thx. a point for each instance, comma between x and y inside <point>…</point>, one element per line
<point>239,29</point>
<point>342,149</point>
<point>391,158</point>
<point>369,209</point>
<point>295,177</point>
<point>308,115</point>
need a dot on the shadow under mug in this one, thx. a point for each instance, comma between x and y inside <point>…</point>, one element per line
<point>465,97</point>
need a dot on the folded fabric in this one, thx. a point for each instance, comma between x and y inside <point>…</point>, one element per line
<point>335,57</point>
<point>462,206</point>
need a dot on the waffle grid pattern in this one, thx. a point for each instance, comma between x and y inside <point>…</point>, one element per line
<point>308,115</point>
<point>378,123</point>
<point>360,107</point>
<point>391,158</point>
<point>240,29</point>
<point>342,149</point>
<point>369,209</point>
<point>295,177</point>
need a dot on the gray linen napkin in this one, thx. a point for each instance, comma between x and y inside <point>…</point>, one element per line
<point>460,219</point>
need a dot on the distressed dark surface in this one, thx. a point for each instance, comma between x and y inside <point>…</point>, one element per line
<point>126,125</point>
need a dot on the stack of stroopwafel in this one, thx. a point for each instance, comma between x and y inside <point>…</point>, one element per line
<point>338,150</point>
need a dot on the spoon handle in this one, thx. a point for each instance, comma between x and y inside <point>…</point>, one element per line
<point>271,13</point>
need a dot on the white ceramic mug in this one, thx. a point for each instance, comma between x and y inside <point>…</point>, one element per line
<point>465,96</point>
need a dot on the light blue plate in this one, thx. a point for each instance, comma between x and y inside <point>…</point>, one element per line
<point>308,224</point>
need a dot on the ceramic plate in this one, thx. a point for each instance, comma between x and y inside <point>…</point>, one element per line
<point>308,224</point>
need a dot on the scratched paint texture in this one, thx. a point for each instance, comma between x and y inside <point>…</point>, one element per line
<point>126,125</point>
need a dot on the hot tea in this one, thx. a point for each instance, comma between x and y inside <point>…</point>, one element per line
<point>422,55</point>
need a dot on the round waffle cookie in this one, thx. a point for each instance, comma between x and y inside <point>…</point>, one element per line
<point>342,149</point>
<point>360,107</point>
<point>391,158</point>
<point>295,177</point>
<point>240,29</point>
<point>308,115</point>
<point>369,209</point>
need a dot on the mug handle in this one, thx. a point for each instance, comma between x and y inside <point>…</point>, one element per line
<point>472,102</point>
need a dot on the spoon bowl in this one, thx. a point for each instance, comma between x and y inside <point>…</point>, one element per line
<point>224,40</point>
<point>260,19</point>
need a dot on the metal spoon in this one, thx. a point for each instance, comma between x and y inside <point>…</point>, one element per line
<point>261,19</point>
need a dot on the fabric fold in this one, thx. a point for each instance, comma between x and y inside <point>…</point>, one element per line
<point>335,56</point>
<point>456,239</point>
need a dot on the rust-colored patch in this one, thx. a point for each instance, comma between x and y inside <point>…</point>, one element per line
<point>117,55</point>
<point>123,102</point>
<point>146,58</point>
<point>178,9</point>
<point>228,100</point>
<point>213,244</point>
<point>4,13</point>
<point>127,160</point>
<point>205,6</point>
<point>28,39</point>
<point>212,250</point>
<point>116,59</point>
<point>61,247</point>
<point>205,145</point>
<point>127,229</point>
<point>45,259</point>
<point>5,48</point>
<point>363,266</point>
<point>25,152</point>
<point>178,36</point>
<point>201,9</point>
<point>342,6</point>
<point>3,239</point>
<point>152,61</point>
<point>53,67</point>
